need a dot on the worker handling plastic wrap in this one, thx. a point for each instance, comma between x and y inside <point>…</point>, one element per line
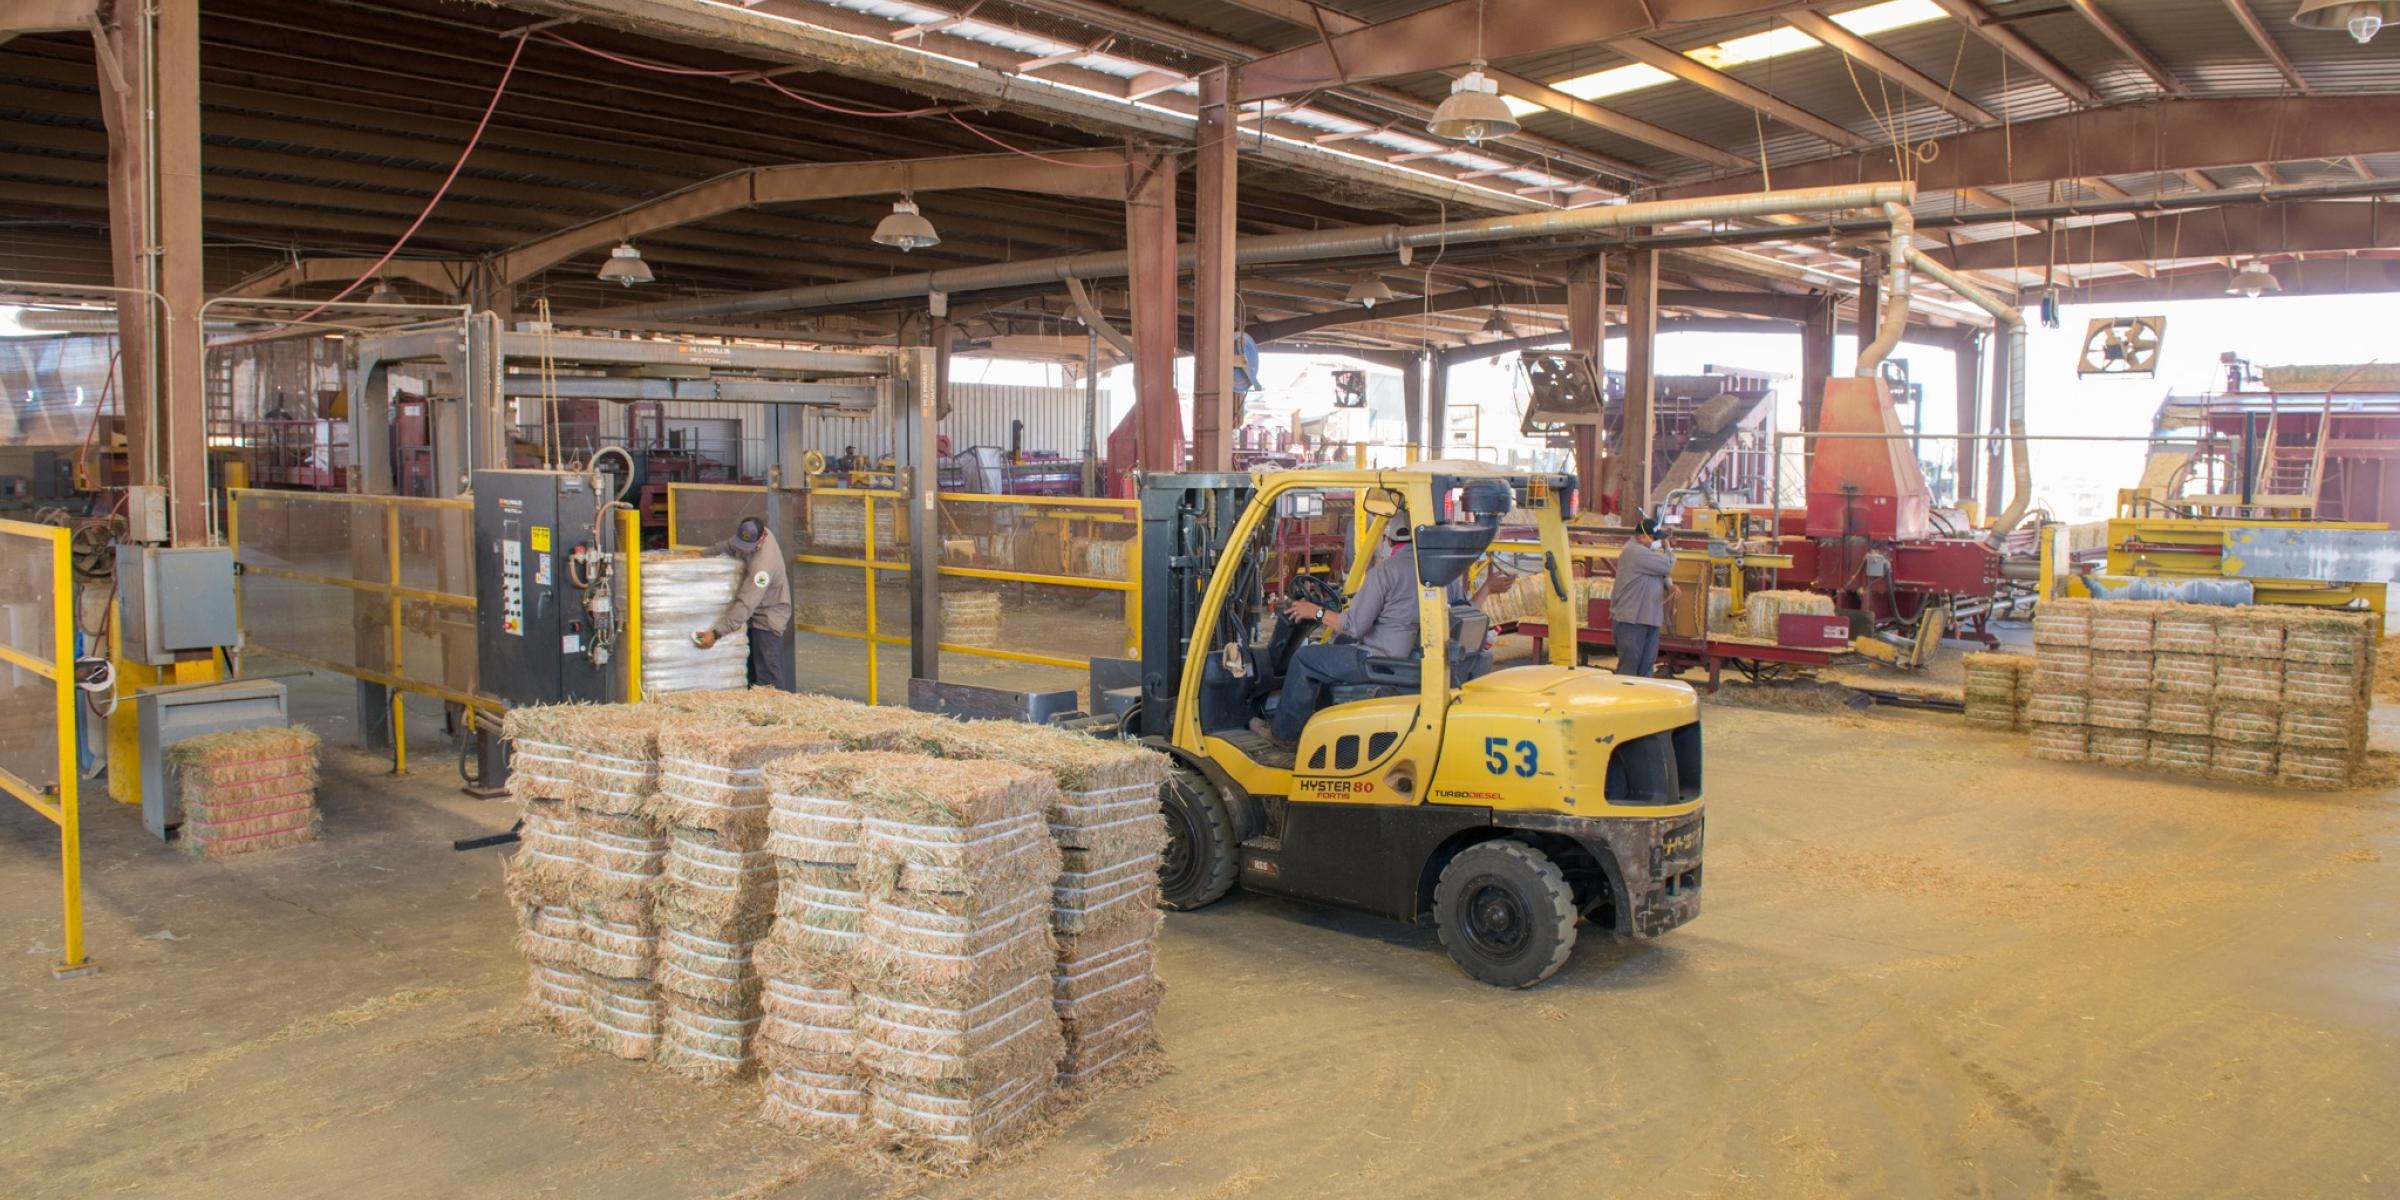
<point>763,602</point>
<point>1637,604</point>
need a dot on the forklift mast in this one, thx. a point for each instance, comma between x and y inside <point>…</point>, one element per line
<point>1186,520</point>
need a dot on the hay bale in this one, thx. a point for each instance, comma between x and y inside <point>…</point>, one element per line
<point>1765,610</point>
<point>2062,669</point>
<point>821,910</point>
<point>2183,674</point>
<point>712,772</point>
<point>813,1093</point>
<point>2313,769</point>
<point>813,1013</point>
<point>550,934</point>
<point>2247,725</point>
<point>547,867</point>
<point>628,1016</point>
<point>2251,631</point>
<point>2329,637</point>
<point>2052,709</point>
<point>1104,975</point>
<point>2248,679</point>
<point>555,998</point>
<point>987,1039</point>
<point>709,1040</point>
<point>695,966</point>
<point>2120,747</point>
<point>246,790</point>
<point>1087,896</point>
<point>2343,729</point>
<point>622,856</point>
<point>2118,711</point>
<point>2185,629</point>
<point>2242,762</point>
<point>971,618</point>
<point>618,949</point>
<point>540,766</point>
<point>2323,685</point>
<point>957,1121</point>
<point>811,816</point>
<point>913,948</point>
<point>2123,625</point>
<point>712,885</point>
<point>2061,743</point>
<point>615,749</point>
<point>851,725</point>
<point>1094,1051</point>
<point>2120,670</point>
<point>1108,790</point>
<point>2184,755</point>
<point>973,833</point>
<point>1997,688</point>
<point>2181,716</point>
<point>2063,622</point>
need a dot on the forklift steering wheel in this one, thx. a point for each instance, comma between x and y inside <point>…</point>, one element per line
<point>1316,590</point>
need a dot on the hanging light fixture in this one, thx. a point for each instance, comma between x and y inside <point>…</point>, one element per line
<point>1474,111</point>
<point>1498,324</point>
<point>1367,291</point>
<point>384,293</point>
<point>2253,279</point>
<point>2363,18</point>
<point>906,228</point>
<point>625,266</point>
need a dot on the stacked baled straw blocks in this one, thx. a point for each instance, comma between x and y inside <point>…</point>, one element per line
<point>1998,687</point>
<point>246,790</point>
<point>2254,694</point>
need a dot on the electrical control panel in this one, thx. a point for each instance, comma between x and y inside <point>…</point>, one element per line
<point>543,625</point>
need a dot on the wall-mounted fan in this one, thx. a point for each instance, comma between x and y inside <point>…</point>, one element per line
<point>2122,346</point>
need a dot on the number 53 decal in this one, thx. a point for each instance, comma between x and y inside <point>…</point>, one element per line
<point>1496,757</point>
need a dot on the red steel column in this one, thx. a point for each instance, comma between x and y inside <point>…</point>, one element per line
<point>1587,331</point>
<point>1214,402</point>
<point>1151,253</point>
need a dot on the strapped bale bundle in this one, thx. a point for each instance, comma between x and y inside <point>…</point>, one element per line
<point>712,776</point>
<point>2185,629</point>
<point>2182,716</point>
<point>820,912</point>
<point>1006,1032</point>
<point>1106,990</point>
<point>556,999</point>
<point>711,885</point>
<point>540,766</point>
<point>2061,743</point>
<point>2252,631</point>
<point>1093,1050</point>
<point>709,1040</point>
<point>2129,711</point>
<point>811,1013</point>
<point>811,817</point>
<point>2248,725</point>
<point>2314,769</point>
<point>618,949</point>
<point>623,855</point>
<point>1108,791</point>
<point>914,949</point>
<point>2123,626</point>
<point>246,790</point>
<point>2062,669</point>
<point>2182,674</point>
<point>960,838</point>
<point>1088,897</point>
<point>2242,762</point>
<point>2247,679</point>
<point>2180,753</point>
<point>547,867</point>
<point>2331,637</point>
<point>1997,688</point>
<point>961,1119</point>
<point>1765,610</point>
<point>2322,685</point>
<point>813,1093</point>
<point>628,1016</point>
<point>2119,747</point>
<point>2066,622</point>
<point>2052,709</point>
<point>2343,729</point>
<point>550,934</point>
<point>2120,670</point>
<point>615,748</point>
<point>971,618</point>
<point>695,966</point>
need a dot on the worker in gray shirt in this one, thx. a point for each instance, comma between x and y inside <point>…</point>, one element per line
<point>764,601</point>
<point>1381,622</point>
<point>1638,602</point>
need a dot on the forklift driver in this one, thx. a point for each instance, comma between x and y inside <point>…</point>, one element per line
<point>1381,622</point>
<point>764,601</point>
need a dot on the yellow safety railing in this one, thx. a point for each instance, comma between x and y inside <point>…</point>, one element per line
<point>883,530</point>
<point>276,535</point>
<point>37,679</point>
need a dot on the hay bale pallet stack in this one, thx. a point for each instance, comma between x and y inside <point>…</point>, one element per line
<point>971,618</point>
<point>544,876</point>
<point>1998,687</point>
<point>2253,694</point>
<point>246,790</point>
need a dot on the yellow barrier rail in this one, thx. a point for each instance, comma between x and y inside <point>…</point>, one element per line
<point>58,802</point>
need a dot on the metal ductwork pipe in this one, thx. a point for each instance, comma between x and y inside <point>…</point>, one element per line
<point>1895,293</point>
<point>2009,316</point>
<point>1355,242</point>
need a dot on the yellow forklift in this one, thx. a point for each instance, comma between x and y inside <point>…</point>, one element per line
<point>1511,807</point>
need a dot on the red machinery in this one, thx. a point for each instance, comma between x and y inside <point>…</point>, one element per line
<point>1871,538</point>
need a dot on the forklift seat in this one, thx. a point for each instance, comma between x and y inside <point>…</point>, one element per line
<point>1401,676</point>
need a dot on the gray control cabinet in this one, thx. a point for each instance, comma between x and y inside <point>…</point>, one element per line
<point>167,715</point>
<point>532,633</point>
<point>174,600</point>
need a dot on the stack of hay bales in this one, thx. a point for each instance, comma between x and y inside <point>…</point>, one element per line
<point>1766,609</point>
<point>971,618</point>
<point>622,853</point>
<point>246,790</point>
<point>544,877</point>
<point>1111,835</point>
<point>1998,688</point>
<point>716,893</point>
<point>2252,694</point>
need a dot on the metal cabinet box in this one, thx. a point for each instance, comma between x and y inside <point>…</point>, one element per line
<point>171,600</point>
<point>167,715</point>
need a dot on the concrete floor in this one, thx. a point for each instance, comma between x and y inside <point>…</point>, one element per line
<point>1927,965</point>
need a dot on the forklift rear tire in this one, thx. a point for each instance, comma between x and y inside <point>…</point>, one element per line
<point>1199,864</point>
<point>1506,913</point>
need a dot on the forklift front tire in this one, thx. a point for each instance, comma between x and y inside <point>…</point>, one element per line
<point>1505,913</point>
<point>1199,864</point>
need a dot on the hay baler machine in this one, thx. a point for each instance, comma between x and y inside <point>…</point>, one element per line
<point>1872,539</point>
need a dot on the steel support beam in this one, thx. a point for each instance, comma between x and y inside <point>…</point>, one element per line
<point>2331,276</point>
<point>2266,44</point>
<point>1761,304</point>
<point>1973,15</point>
<point>2123,41</point>
<point>2132,139</point>
<point>48,16</point>
<point>1641,379</point>
<point>1587,332</point>
<point>1643,50</point>
<point>2236,231</point>
<point>1150,253</point>
<point>1816,359</point>
<point>1215,405</point>
<point>1875,58</point>
<point>447,277</point>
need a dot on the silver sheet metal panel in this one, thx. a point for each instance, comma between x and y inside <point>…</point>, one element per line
<point>164,716</point>
<point>2332,555</point>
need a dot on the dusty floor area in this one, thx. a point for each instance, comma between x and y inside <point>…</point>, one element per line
<point>1927,965</point>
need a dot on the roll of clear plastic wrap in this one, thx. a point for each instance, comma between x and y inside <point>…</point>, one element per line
<point>682,594</point>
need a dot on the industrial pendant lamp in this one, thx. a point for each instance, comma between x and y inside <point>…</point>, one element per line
<point>625,266</point>
<point>2363,18</point>
<point>2253,279</point>
<point>384,293</point>
<point>1498,324</point>
<point>1474,111</point>
<point>905,228</point>
<point>1367,291</point>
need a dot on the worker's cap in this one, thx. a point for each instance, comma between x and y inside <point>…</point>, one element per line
<point>1649,526</point>
<point>747,532</point>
